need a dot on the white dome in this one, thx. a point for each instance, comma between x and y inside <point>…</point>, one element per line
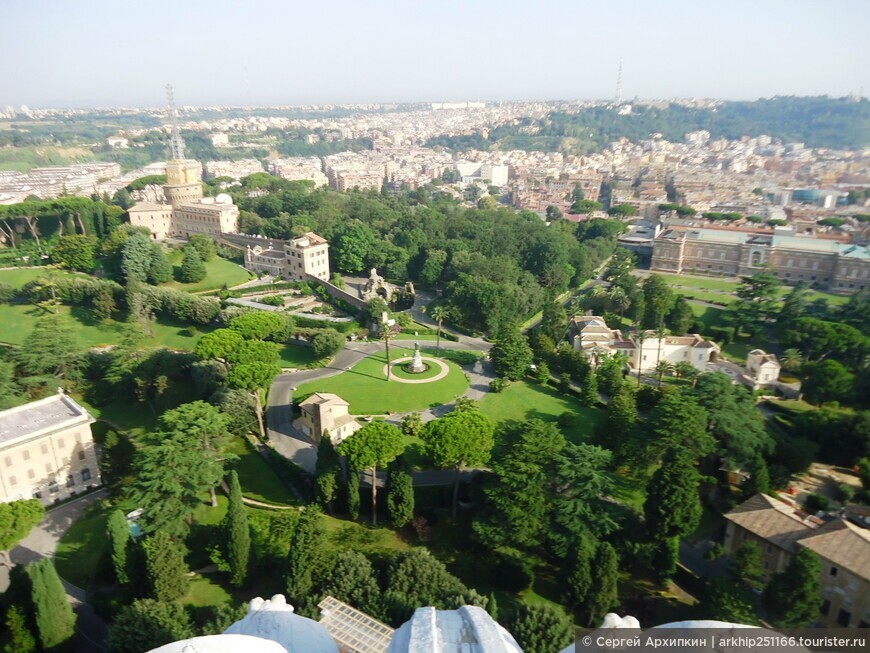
<point>467,630</point>
<point>274,619</point>
<point>223,198</point>
<point>222,644</point>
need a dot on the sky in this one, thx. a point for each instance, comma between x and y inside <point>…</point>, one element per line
<point>88,53</point>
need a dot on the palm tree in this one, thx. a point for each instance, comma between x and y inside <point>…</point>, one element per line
<point>660,334</point>
<point>439,314</point>
<point>792,359</point>
<point>619,300</point>
<point>662,368</point>
<point>641,334</point>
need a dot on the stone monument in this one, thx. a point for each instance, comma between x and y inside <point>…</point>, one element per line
<point>416,365</point>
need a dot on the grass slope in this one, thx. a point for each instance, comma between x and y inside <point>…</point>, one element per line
<point>219,272</point>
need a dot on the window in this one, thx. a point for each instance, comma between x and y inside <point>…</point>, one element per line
<point>52,487</point>
<point>86,475</point>
<point>26,455</point>
<point>843,617</point>
<point>832,572</point>
<point>70,480</point>
<point>13,481</point>
<point>826,607</point>
<point>60,444</point>
<point>8,461</point>
<point>48,468</point>
<point>31,473</point>
<point>81,454</point>
<point>44,448</point>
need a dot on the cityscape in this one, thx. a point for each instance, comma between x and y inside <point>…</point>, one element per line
<point>449,370</point>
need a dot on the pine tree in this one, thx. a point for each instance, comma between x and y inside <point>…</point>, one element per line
<point>118,531</point>
<point>238,534</point>
<point>306,559</point>
<point>165,567</point>
<point>492,606</point>
<point>19,637</point>
<point>159,269</point>
<point>352,580</point>
<point>542,628</point>
<point>351,488</point>
<point>54,616</point>
<point>400,494</point>
<point>589,396</point>
<point>673,507</point>
<point>192,267</point>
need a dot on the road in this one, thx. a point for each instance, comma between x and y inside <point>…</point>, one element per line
<point>42,542</point>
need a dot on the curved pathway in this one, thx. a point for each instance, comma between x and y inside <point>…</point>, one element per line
<point>444,370</point>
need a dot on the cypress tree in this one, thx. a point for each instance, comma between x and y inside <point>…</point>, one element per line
<point>305,561</point>
<point>400,495</point>
<point>160,270</point>
<point>19,638</point>
<point>192,267</point>
<point>580,573</point>
<point>54,616</point>
<point>118,532</point>
<point>590,390</point>
<point>327,472</point>
<point>352,493</point>
<point>165,568</point>
<point>238,534</point>
<point>673,507</point>
<point>603,594</point>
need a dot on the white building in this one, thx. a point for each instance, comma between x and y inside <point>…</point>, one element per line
<point>296,259</point>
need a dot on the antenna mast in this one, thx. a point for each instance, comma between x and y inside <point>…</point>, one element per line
<point>175,141</point>
<point>619,84</point>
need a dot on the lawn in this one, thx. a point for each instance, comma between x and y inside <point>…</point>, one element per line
<point>345,534</point>
<point>523,401</point>
<point>257,479</point>
<point>18,320</point>
<point>366,389</point>
<point>219,272</point>
<point>299,356</point>
<point>20,277</point>
<point>83,549</point>
<point>205,592</point>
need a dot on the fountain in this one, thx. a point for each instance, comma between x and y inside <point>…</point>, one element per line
<point>416,366</point>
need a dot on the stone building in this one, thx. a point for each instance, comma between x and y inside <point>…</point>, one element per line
<point>46,450</point>
<point>828,264</point>
<point>324,412</point>
<point>843,546</point>
<point>296,259</point>
<point>187,211</point>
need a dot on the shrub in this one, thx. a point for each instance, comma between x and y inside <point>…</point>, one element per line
<point>816,502</point>
<point>725,334</point>
<point>498,384</point>
<point>513,572</point>
<point>845,492</point>
<point>567,420</point>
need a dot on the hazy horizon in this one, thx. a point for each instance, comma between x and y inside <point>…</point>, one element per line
<point>99,53</point>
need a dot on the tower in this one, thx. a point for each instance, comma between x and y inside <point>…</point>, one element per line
<point>183,177</point>
<point>619,84</point>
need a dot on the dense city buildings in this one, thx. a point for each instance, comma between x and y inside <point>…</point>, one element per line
<point>47,451</point>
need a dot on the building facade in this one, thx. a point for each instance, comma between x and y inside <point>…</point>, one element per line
<point>842,544</point>
<point>828,264</point>
<point>324,413</point>
<point>297,259</point>
<point>47,450</point>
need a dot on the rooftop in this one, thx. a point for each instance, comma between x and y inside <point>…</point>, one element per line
<point>844,544</point>
<point>40,418</point>
<point>772,520</point>
<point>352,629</point>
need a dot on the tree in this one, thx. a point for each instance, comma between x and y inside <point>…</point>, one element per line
<point>17,518</point>
<point>732,602</point>
<point>49,350</point>
<point>511,355</point>
<point>327,343</point>
<point>192,268</point>
<point>662,368</point>
<point>165,569</point>
<point>253,377</point>
<point>757,302</point>
<point>147,624</point>
<point>585,206</point>
<point>542,628</point>
<point>609,373</point>
<point>204,245</point>
<point>589,394</point>
<point>261,325</point>
<point>75,252</point>
<point>400,494</point>
<point>439,314</point>
<point>136,258</point>
<point>412,425</point>
<point>673,507</point>
<point>519,494</point>
<point>622,211</point>
<point>218,345</point>
<point>376,444</point>
<point>680,318</point>
<point>350,246</point>
<point>619,427</point>
<point>351,491</point>
<point>306,559</point>
<point>792,360</point>
<point>19,639</point>
<point>104,304</point>
<point>457,441</point>
<point>53,614</point>
<point>579,579</point>
<point>678,421</point>
<point>553,213</point>
<point>749,564</point>
<point>118,531</point>
<point>604,594</point>
<point>353,581</point>
<point>159,270</point>
<point>238,534</point>
<point>658,301</point>
<point>327,472</point>
<point>826,381</point>
<point>794,596</point>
